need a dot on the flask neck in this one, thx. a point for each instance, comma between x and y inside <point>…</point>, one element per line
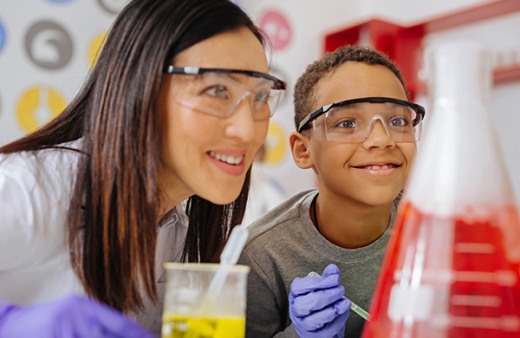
<point>461,78</point>
<point>459,164</point>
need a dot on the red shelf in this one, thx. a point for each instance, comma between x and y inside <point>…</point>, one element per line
<point>507,74</point>
<point>403,43</point>
<point>485,11</point>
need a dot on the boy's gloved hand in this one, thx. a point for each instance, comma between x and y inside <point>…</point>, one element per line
<point>317,307</point>
<point>72,316</point>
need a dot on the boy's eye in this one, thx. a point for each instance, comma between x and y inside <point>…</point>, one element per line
<point>399,122</point>
<point>346,124</point>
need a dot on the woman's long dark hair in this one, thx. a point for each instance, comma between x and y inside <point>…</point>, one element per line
<point>113,211</point>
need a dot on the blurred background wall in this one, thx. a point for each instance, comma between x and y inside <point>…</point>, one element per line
<point>47,47</point>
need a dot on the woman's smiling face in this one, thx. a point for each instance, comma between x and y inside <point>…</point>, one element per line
<point>202,154</point>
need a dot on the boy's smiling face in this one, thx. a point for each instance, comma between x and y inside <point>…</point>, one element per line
<point>372,172</point>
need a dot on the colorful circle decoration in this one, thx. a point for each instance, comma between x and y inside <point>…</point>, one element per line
<point>37,106</point>
<point>48,45</point>
<point>112,6</point>
<point>277,27</point>
<point>276,144</point>
<point>95,48</point>
<point>60,1</point>
<point>3,36</point>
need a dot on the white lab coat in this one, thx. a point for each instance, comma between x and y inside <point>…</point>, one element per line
<point>35,192</point>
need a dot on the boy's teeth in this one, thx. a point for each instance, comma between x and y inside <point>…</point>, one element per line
<point>378,167</point>
<point>225,158</point>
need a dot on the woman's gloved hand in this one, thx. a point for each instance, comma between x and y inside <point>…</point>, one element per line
<point>72,316</point>
<point>317,307</point>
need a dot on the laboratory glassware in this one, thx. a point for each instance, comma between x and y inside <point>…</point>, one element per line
<point>451,268</point>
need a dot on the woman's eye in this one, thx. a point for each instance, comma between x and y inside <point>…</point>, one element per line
<point>219,91</point>
<point>262,96</point>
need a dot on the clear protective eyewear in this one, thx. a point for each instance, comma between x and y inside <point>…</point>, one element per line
<point>218,91</point>
<point>351,121</point>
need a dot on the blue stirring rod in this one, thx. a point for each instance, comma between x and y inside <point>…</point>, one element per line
<point>353,306</point>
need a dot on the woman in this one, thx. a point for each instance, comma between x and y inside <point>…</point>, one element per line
<point>175,108</point>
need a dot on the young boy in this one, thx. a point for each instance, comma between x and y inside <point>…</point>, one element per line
<point>357,131</point>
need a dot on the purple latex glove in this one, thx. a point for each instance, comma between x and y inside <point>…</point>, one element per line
<point>72,316</point>
<point>317,307</point>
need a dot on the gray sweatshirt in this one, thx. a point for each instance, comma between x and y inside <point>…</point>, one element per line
<point>283,245</point>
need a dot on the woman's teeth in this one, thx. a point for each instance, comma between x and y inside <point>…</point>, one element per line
<point>233,160</point>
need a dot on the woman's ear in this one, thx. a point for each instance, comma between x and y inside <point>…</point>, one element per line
<point>300,149</point>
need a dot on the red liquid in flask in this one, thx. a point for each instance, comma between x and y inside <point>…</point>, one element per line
<point>449,277</point>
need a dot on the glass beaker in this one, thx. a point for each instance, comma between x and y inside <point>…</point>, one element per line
<point>191,311</point>
<point>452,264</point>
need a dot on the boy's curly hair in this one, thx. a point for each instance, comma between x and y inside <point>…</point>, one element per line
<point>305,87</point>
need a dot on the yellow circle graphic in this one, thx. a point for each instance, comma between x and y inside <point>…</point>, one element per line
<point>95,48</point>
<point>276,144</point>
<point>37,106</point>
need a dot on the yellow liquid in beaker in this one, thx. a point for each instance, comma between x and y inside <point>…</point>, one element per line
<point>176,326</point>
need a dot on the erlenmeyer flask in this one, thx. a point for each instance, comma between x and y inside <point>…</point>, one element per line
<point>452,264</point>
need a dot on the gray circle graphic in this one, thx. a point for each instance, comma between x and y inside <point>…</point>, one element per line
<point>48,45</point>
<point>113,6</point>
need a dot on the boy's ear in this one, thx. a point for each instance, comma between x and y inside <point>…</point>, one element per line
<point>300,150</point>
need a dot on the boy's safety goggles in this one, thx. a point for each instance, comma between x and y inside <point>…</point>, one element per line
<point>352,121</point>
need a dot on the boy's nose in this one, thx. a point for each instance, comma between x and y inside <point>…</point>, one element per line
<point>378,134</point>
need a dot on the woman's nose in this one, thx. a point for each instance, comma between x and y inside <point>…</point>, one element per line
<point>241,123</point>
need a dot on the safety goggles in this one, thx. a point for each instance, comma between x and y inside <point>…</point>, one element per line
<point>351,121</point>
<point>218,92</point>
